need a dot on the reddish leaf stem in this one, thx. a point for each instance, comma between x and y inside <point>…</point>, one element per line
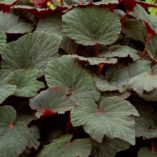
<point>98,111</point>
<point>123,19</point>
<point>68,124</point>
<point>97,49</point>
<point>153,150</point>
<point>11,125</point>
<point>100,67</point>
<point>145,47</point>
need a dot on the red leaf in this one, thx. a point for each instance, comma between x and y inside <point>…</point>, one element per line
<point>40,3</point>
<point>150,30</point>
<point>5,7</point>
<point>40,12</point>
<point>45,113</point>
<point>130,4</point>
<point>111,6</point>
<point>100,67</point>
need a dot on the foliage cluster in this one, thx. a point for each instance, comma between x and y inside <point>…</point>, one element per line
<point>78,78</point>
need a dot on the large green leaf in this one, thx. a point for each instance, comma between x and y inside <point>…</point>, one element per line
<point>52,99</point>
<point>27,83</point>
<point>108,148</point>
<point>53,24</point>
<point>118,51</point>
<point>66,74</point>
<point>31,51</point>
<point>135,29</point>
<point>6,89</point>
<point>146,152</point>
<point>152,47</point>
<point>112,113</point>
<point>64,147</point>
<point>11,23</point>
<point>3,41</point>
<point>15,137</point>
<point>117,76</point>
<point>50,24</point>
<point>144,82</point>
<point>91,25</point>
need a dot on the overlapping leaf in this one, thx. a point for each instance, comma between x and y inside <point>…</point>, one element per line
<point>99,120</point>
<point>50,24</point>
<point>2,41</point>
<point>123,95</point>
<point>145,127</point>
<point>68,45</point>
<point>53,24</point>
<point>117,76</point>
<point>53,99</point>
<point>6,89</point>
<point>64,147</point>
<point>7,1</point>
<point>118,51</point>
<point>95,60</point>
<point>144,82</point>
<point>152,47</point>
<point>149,96</point>
<point>135,29</point>
<point>39,12</point>
<point>141,14</point>
<point>10,23</point>
<point>27,83</point>
<point>72,2</point>
<point>31,51</point>
<point>92,25</point>
<point>146,123</point>
<point>110,1</point>
<point>111,4</point>
<point>66,74</point>
<point>15,137</point>
<point>146,152</point>
<point>105,85</point>
<point>108,148</point>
